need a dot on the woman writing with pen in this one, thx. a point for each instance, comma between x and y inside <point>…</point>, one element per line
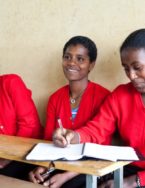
<point>72,105</point>
<point>123,110</point>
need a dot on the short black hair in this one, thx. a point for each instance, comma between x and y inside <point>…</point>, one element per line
<point>135,40</point>
<point>84,41</point>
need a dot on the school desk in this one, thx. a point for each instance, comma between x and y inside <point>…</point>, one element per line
<point>16,148</point>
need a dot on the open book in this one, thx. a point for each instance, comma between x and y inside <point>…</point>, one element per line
<point>47,151</point>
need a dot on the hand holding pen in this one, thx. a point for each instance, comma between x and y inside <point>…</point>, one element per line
<point>41,174</point>
<point>36,175</point>
<point>60,125</point>
<point>59,135</point>
<point>63,137</point>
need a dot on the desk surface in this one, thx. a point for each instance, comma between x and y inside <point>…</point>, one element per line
<point>16,148</point>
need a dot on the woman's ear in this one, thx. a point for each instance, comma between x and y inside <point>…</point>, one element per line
<point>92,64</point>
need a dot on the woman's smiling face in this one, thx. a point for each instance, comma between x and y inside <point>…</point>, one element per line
<point>76,63</point>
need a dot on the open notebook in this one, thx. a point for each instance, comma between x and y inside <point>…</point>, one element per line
<point>47,151</point>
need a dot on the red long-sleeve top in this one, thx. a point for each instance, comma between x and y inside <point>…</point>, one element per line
<point>18,115</point>
<point>59,106</point>
<point>124,110</point>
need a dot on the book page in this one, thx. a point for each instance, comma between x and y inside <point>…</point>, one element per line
<point>112,153</point>
<point>46,151</point>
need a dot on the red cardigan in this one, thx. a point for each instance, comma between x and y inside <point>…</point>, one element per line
<point>124,110</point>
<point>18,115</point>
<point>59,106</point>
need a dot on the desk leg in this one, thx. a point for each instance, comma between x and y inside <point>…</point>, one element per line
<point>118,178</point>
<point>91,181</point>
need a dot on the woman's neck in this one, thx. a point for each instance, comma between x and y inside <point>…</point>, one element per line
<point>77,87</point>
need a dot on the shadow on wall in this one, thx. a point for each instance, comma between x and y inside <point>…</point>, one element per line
<point>51,78</point>
<point>108,71</point>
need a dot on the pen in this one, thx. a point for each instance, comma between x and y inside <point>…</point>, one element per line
<point>61,127</point>
<point>46,174</point>
<point>60,124</point>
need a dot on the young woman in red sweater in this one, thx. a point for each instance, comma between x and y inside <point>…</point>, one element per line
<point>18,117</point>
<point>124,110</point>
<point>74,104</point>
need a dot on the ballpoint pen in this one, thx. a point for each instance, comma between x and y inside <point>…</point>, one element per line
<point>46,174</point>
<point>51,168</point>
<point>60,124</point>
<point>61,127</point>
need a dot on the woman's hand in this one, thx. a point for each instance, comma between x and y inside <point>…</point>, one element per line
<point>62,138</point>
<point>58,180</point>
<point>36,176</point>
<point>129,182</point>
<point>55,181</point>
<point>108,184</point>
<point>4,162</point>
